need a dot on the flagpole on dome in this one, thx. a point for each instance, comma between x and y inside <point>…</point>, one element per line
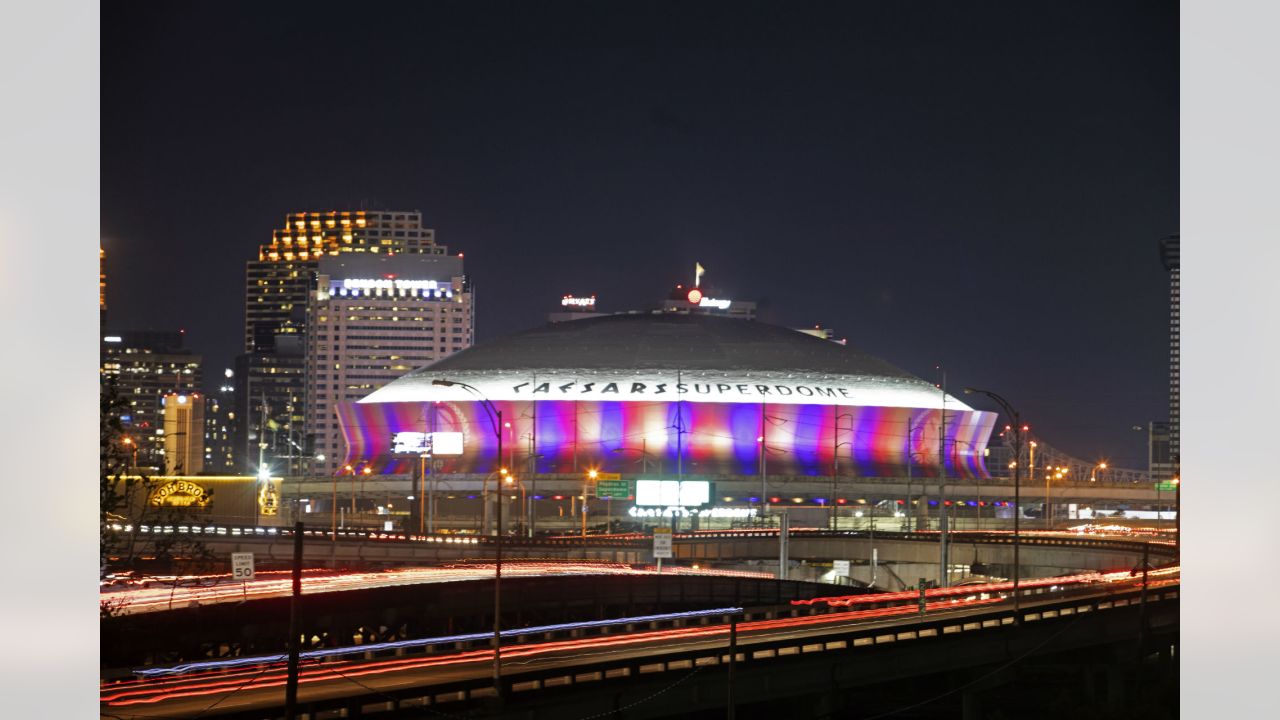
<point>698,272</point>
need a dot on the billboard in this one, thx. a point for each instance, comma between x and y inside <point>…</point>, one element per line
<point>671,493</point>
<point>436,443</point>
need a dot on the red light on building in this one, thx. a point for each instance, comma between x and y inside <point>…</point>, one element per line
<point>774,499</point>
<point>695,296</point>
<point>842,501</point>
<point>902,502</point>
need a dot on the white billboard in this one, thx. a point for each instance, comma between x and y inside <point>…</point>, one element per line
<point>436,443</point>
<point>671,493</point>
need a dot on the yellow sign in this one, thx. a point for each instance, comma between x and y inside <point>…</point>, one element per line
<point>180,493</point>
<point>268,501</point>
<point>608,476</point>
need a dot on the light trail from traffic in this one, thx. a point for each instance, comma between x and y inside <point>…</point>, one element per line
<point>131,692</point>
<point>153,599</point>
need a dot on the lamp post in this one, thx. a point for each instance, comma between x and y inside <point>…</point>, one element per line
<point>495,417</point>
<point>835,462</point>
<point>1177,519</point>
<point>1056,473</point>
<point>591,475</point>
<point>978,480</point>
<point>133,446</point>
<point>835,508</point>
<point>910,503</point>
<point>366,470</point>
<point>644,458</point>
<point>1017,480</point>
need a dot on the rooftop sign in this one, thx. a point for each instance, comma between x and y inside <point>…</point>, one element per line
<point>578,302</point>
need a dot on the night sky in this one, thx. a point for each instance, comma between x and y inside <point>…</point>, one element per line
<point>977,185</point>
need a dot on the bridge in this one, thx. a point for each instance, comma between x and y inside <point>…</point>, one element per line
<point>807,658</point>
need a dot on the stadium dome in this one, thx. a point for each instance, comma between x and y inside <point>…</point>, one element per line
<point>702,358</point>
<point>718,395</point>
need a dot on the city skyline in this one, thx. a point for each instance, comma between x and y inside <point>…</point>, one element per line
<point>909,209</point>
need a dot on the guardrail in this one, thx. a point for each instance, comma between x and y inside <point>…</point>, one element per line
<point>245,532</point>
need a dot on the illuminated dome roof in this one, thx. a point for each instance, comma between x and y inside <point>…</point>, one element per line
<point>637,352</point>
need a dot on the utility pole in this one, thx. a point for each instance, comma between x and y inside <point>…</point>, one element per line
<point>679,431</point>
<point>1017,485</point>
<point>784,540</point>
<point>262,434</point>
<point>733,660</point>
<point>945,575</point>
<point>291,683</point>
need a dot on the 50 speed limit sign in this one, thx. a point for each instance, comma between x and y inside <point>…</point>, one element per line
<point>242,566</point>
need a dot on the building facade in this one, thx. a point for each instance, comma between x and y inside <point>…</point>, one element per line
<point>183,433</point>
<point>269,378</point>
<point>219,426</point>
<point>145,367</point>
<point>370,320</point>
<point>1170,257</point>
<point>269,411</point>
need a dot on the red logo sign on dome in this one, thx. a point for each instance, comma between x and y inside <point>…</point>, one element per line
<point>695,296</point>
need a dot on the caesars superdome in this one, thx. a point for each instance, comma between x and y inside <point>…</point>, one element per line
<point>701,394</point>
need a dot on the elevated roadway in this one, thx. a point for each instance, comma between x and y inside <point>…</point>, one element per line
<point>908,555</point>
<point>682,671</point>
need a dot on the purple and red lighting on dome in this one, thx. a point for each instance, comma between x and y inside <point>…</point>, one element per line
<point>712,438</point>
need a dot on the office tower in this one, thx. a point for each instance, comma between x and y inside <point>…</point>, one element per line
<point>219,426</point>
<point>269,377</point>
<point>146,366</point>
<point>372,319</point>
<point>102,287</point>
<point>1169,256</point>
<point>183,433</point>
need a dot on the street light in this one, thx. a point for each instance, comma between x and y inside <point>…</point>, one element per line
<point>835,462</point>
<point>523,528</point>
<point>644,458</point>
<point>1093,474</point>
<point>1057,473</point>
<point>495,417</point>
<point>1017,480</point>
<point>129,441</point>
<point>1177,519</point>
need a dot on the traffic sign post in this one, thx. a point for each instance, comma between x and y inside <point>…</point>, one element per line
<point>242,566</point>
<point>661,544</point>
<point>613,488</point>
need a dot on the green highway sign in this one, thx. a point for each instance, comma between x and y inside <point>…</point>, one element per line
<point>1167,486</point>
<point>613,488</point>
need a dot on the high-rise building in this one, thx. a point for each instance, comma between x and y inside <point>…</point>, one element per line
<point>1169,256</point>
<point>183,433</point>
<point>372,319</point>
<point>269,378</point>
<point>1160,460</point>
<point>102,286</point>
<point>219,426</point>
<point>146,366</point>
<point>278,281</point>
<point>269,412</point>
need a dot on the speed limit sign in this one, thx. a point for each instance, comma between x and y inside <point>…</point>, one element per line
<point>242,566</point>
